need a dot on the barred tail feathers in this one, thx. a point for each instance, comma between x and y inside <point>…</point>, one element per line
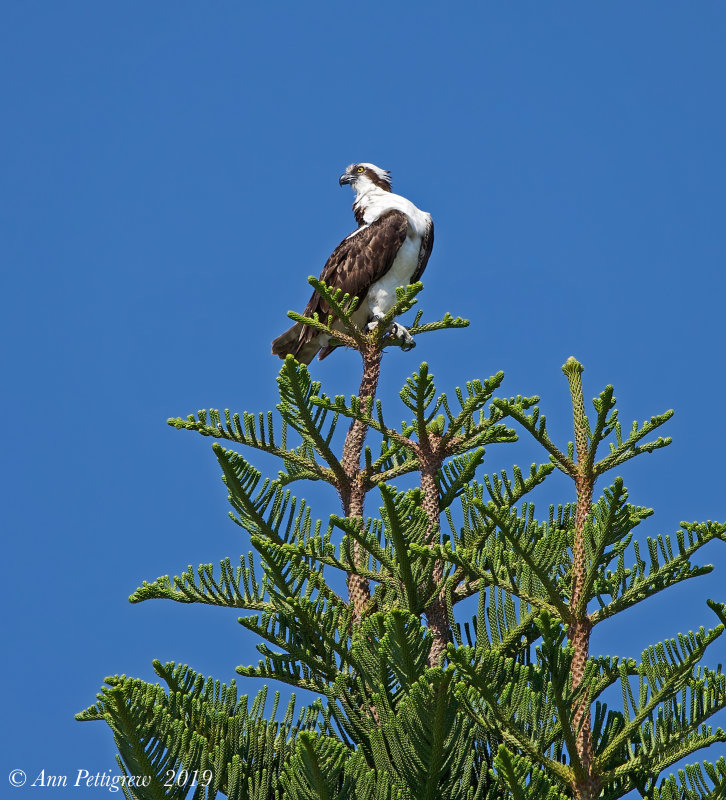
<point>289,343</point>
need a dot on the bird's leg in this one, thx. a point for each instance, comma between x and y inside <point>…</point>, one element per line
<point>373,324</point>
<point>394,330</point>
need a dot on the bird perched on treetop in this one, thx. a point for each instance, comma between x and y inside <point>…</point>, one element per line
<point>390,248</point>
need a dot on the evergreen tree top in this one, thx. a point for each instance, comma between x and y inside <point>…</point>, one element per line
<point>370,606</point>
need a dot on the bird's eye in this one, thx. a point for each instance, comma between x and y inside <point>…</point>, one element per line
<point>360,169</point>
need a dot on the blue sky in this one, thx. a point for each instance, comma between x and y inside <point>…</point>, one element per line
<point>170,180</point>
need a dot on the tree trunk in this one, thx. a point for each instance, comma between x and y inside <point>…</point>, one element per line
<point>353,493</point>
<point>436,613</point>
<point>588,786</point>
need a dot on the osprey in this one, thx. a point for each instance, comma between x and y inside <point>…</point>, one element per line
<point>390,248</point>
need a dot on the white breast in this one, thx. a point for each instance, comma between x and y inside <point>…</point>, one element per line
<point>382,294</point>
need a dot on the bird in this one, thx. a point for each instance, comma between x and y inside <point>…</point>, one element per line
<point>389,248</point>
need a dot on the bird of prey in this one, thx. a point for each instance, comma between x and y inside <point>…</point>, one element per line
<point>390,248</point>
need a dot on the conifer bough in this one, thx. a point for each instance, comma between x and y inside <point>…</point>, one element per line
<point>415,700</point>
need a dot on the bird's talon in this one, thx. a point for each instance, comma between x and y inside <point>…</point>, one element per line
<point>402,334</point>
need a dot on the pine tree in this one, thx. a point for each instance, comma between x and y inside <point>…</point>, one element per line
<point>413,703</point>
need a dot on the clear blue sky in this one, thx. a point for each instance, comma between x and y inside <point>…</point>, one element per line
<point>170,180</point>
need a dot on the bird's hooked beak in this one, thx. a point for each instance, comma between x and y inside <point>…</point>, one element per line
<point>345,178</point>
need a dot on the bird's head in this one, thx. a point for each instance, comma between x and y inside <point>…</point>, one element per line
<point>364,176</point>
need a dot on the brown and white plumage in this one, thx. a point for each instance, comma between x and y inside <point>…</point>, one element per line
<point>390,248</point>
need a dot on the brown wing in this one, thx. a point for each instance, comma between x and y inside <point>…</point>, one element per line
<point>427,245</point>
<point>359,261</point>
